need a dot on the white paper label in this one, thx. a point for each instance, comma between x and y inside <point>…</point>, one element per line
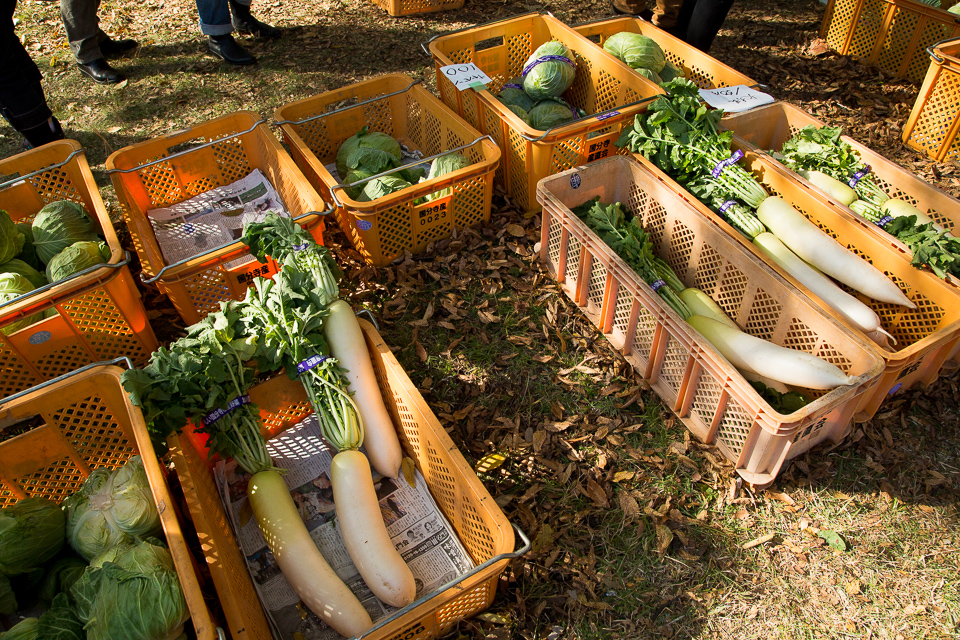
<point>465,76</point>
<point>735,99</point>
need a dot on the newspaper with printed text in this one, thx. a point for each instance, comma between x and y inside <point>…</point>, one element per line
<point>214,218</point>
<point>420,532</point>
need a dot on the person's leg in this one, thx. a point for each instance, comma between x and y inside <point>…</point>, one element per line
<point>705,22</point>
<point>665,13</point>
<point>82,25</point>
<point>215,23</point>
<point>22,102</point>
<point>245,23</point>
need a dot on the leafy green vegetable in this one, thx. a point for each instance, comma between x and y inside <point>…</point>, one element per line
<point>380,187</point>
<point>60,224</point>
<point>550,113</point>
<point>12,286</point>
<point>785,403</point>
<point>28,253</point>
<point>356,175</point>
<point>31,533</point>
<point>11,239</point>
<point>637,50</point>
<point>955,9</point>
<point>371,150</point>
<point>60,621</point>
<point>26,629</point>
<point>20,267</point>
<point>632,243</point>
<point>8,599</point>
<point>550,71</point>
<point>513,95</point>
<point>937,250</point>
<point>447,163</point>
<point>110,507</point>
<point>650,75</point>
<point>60,576</point>
<point>133,595</point>
<point>520,112</point>
<point>669,72</point>
<point>77,257</point>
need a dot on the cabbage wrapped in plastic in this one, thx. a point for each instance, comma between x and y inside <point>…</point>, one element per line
<point>14,285</point>
<point>550,113</point>
<point>637,50</point>
<point>372,150</point>
<point>31,533</point>
<point>380,187</point>
<point>77,257</point>
<point>669,72</point>
<point>549,72</point>
<point>110,507</point>
<point>20,267</point>
<point>512,94</point>
<point>447,163</point>
<point>131,592</point>
<point>60,224</point>
<point>11,239</point>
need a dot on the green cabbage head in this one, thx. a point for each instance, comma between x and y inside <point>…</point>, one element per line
<point>649,75</point>
<point>111,507</point>
<point>28,253</point>
<point>20,267</point>
<point>26,629</point>
<point>14,285</point>
<point>381,187</point>
<point>131,593</point>
<point>955,9</point>
<point>373,151</point>
<point>550,113</point>
<point>58,225</point>
<point>443,165</point>
<point>637,50</point>
<point>355,176</point>
<point>77,257</point>
<point>669,72</point>
<point>550,78</point>
<point>11,239</point>
<point>31,533</point>
<point>513,94</point>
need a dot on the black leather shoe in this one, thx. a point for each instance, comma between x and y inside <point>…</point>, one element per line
<point>111,47</point>
<point>227,49</point>
<point>252,27</point>
<point>101,72</point>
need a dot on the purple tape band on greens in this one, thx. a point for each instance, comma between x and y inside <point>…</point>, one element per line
<point>726,205</point>
<point>213,416</point>
<point>530,66</point>
<point>884,221</point>
<point>858,176</point>
<point>656,285</point>
<point>512,86</point>
<point>733,159</point>
<point>310,363</point>
<point>301,247</point>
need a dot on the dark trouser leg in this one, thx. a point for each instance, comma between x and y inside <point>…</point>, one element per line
<point>82,25</point>
<point>700,20</point>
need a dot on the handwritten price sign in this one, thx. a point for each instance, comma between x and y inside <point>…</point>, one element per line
<point>735,99</point>
<point>465,76</point>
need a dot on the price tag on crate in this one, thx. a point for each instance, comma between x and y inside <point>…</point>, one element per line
<point>466,76</point>
<point>735,99</point>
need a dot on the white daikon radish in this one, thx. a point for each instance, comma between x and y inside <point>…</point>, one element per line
<point>902,208</point>
<point>700,304</point>
<point>826,254</point>
<point>789,366</point>
<point>851,309</point>
<point>840,192</point>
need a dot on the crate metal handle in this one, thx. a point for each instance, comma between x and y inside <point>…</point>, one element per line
<point>423,599</point>
<point>932,48</point>
<point>597,116</point>
<point>343,186</point>
<point>50,285</point>
<point>235,244</point>
<point>69,374</point>
<point>348,107</point>
<point>63,162</point>
<point>426,45</point>
<point>369,314</point>
<point>210,143</point>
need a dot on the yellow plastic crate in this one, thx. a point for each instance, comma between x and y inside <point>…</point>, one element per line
<point>935,120</point>
<point>397,8</point>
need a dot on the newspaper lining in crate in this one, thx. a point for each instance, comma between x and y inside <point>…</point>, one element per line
<point>420,532</point>
<point>214,218</point>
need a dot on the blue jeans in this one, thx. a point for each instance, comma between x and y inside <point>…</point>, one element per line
<point>215,16</point>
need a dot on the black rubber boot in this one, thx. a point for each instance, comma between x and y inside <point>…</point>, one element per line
<point>40,135</point>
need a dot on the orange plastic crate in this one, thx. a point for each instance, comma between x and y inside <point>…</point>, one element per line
<point>704,390</point>
<point>933,124</point>
<point>175,167</point>
<point>609,91</point>
<point>768,127</point>
<point>697,66</point>
<point>397,8</point>
<point>88,422</point>
<point>925,335</point>
<point>388,227</point>
<point>99,313</point>
<point>892,34</point>
<point>478,521</point>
